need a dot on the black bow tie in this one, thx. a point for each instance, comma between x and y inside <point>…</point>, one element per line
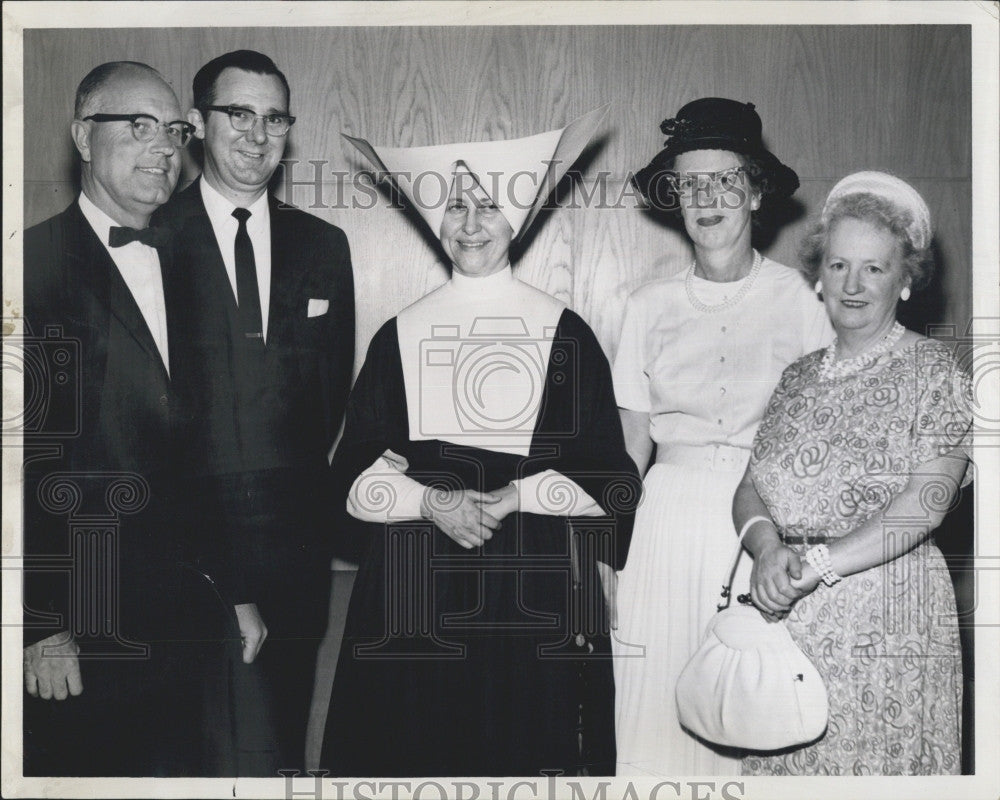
<point>153,237</point>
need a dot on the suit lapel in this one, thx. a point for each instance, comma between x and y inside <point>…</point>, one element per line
<point>99,272</point>
<point>172,298</point>
<point>202,248</point>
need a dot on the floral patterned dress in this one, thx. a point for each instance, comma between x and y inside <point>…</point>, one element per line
<point>829,454</point>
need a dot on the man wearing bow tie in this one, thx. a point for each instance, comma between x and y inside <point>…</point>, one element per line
<point>113,661</point>
<point>271,296</point>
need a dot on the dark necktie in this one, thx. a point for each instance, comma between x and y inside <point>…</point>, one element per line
<point>153,237</point>
<point>247,293</point>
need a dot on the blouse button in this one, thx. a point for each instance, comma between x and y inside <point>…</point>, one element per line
<point>722,359</point>
<point>723,328</point>
<point>722,390</point>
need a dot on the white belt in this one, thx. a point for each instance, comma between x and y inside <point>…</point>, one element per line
<point>714,457</point>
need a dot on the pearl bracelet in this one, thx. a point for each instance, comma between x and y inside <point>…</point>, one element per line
<point>819,559</point>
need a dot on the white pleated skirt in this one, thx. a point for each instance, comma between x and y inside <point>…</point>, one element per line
<point>682,551</point>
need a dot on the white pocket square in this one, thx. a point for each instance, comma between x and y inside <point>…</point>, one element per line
<point>317,308</point>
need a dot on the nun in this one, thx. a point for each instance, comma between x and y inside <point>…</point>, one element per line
<point>484,464</point>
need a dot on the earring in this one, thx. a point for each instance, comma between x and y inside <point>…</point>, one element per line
<point>818,288</point>
<point>905,294</point>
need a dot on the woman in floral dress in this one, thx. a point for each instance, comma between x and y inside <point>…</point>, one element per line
<point>860,453</point>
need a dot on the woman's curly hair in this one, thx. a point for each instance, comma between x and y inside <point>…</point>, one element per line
<point>918,264</point>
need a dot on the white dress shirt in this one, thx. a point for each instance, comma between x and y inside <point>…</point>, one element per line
<point>220,213</point>
<point>139,265</point>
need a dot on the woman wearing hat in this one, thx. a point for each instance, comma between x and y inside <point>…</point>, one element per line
<point>483,418</point>
<point>860,454</point>
<point>699,354</point>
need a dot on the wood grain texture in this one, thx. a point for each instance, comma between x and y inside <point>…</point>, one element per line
<point>833,100</point>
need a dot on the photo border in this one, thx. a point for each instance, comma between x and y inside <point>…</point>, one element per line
<point>983,19</point>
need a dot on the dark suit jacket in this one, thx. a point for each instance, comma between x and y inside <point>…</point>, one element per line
<point>103,396</point>
<point>99,455</point>
<point>279,416</point>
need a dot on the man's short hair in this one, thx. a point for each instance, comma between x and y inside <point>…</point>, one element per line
<point>203,86</point>
<point>99,77</point>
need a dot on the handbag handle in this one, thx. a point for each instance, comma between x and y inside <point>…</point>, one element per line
<point>743,599</point>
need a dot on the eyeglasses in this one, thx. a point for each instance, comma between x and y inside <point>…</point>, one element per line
<point>715,182</point>
<point>243,119</point>
<point>144,127</point>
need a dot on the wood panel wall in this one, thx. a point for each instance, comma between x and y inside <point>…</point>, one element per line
<point>833,100</point>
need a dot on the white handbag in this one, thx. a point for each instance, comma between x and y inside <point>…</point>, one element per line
<point>749,686</point>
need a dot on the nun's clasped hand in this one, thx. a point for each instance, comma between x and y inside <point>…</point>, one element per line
<point>463,514</point>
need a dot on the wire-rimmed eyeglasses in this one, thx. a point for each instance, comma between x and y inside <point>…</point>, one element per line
<point>145,126</point>
<point>243,119</point>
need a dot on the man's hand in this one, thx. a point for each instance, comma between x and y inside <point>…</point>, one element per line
<point>52,669</point>
<point>252,630</point>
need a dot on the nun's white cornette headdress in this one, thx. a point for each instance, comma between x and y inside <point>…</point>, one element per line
<point>517,174</point>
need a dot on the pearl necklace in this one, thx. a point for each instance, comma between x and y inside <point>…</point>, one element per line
<point>831,370</point>
<point>748,281</point>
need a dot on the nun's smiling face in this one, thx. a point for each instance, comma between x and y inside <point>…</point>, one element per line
<point>475,234</point>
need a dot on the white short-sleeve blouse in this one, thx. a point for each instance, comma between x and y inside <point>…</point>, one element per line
<point>705,377</point>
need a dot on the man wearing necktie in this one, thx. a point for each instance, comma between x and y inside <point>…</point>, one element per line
<point>270,295</point>
<point>115,655</point>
